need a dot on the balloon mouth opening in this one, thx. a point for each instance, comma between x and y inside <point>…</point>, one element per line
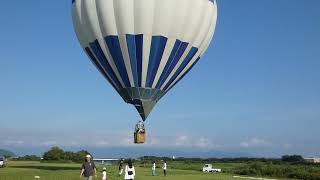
<point>144,99</point>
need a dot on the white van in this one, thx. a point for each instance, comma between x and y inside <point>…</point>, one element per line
<point>2,161</point>
<point>209,168</point>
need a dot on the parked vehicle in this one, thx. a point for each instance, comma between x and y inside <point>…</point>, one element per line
<point>209,168</point>
<point>2,161</point>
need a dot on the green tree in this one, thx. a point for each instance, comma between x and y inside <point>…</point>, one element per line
<point>80,156</point>
<point>58,154</point>
<point>54,154</point>
<point>29,158</point>
<point>292,158</point>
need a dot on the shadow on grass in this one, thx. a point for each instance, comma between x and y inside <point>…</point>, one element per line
<point>50,168</point>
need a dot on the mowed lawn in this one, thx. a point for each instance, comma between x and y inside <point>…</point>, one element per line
<point>60,171</point>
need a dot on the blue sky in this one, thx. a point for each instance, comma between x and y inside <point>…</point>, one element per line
<point>256,89</point>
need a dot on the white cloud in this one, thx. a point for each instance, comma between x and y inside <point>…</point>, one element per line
<point>49,143</point>
<point>203,143</point>
<point>73,143</point>
<point>255,142</point>
<point>46,139</point>
<point>196,142</point>
<point>287,146</point>
<point>125,140</point>
<point>74,139</point>
<point>103,143</point>
<point>102,139</point>
<point>182,140</point>
<point>153,141</point>
<point>13,142</point>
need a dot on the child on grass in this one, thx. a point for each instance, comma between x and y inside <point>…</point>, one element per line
<point>104,174</point>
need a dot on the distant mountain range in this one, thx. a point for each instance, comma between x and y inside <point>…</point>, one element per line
<point>134,152</point>
<point>6,153</point>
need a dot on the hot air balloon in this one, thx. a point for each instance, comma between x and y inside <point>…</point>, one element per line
<point>143,48</point>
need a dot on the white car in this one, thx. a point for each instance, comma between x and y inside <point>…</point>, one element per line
<point>209,168</point>
<point>2,159</point>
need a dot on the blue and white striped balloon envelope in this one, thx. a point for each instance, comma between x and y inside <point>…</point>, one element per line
<point>144,47</point>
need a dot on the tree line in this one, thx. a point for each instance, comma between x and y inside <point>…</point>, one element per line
<point>55,154</point>
<point>295,159</point>
<point>59,155</point>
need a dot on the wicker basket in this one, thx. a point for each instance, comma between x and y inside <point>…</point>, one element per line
<point>139,137</point>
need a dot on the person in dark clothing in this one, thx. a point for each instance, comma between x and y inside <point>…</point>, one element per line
<point>88,169</point>
<point>120,167</point>
<point>164,167</point>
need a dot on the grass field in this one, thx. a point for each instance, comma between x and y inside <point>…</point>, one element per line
<point>59,171</point>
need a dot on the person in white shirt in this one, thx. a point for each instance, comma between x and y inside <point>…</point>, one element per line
<point>154,168</point>
<point>164,167</point>
<point>129,171</point>
<point>104,174</point>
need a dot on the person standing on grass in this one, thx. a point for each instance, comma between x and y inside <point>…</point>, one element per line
<point>120,167</point>
<point>88,169</point>
<point>104,173</point>
<point>154,168</point>
<point>129,171</point>
<point>164,167</point>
